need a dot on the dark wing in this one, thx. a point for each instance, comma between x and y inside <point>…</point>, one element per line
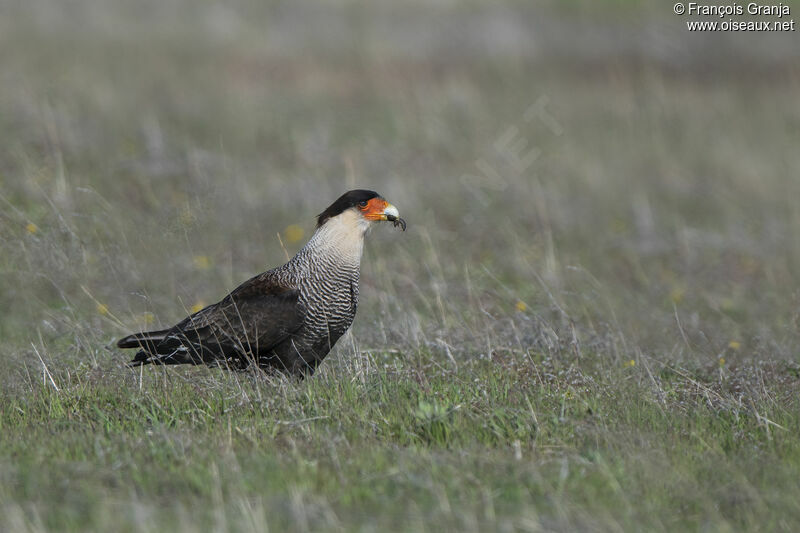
<point>257,316</point>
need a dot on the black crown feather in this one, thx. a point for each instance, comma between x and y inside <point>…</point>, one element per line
<point>344,202</point>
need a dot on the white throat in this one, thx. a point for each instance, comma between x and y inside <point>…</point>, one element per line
<point>340,237</point>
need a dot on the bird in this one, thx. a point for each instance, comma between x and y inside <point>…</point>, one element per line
<point>286,319</point>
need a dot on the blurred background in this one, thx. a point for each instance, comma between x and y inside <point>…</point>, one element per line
<point>575,175</point>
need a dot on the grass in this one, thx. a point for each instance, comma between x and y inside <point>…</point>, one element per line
<point>602,336</point>
<point>509,443</point>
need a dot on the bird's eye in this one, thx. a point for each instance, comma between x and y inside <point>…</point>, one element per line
<point>362,204</point>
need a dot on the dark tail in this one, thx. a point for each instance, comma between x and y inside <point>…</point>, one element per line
<point>166,347</point>
<point>146,340</point>
<point>143,357</point>
<point>175,347</point>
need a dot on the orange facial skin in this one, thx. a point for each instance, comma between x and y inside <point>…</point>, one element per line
<point>374,210</point>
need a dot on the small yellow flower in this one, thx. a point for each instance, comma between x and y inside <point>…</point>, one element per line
<point>293,233</point>
<point>102,308</point>
<point>201,262</point>
<point>148,317</point>
<point>721,361</point>
<point>734,345</point>
<point>630,363</point>
<point>677,294</point>
<point>31,228</point>
<point>521,307</point>
<point>198,306</point>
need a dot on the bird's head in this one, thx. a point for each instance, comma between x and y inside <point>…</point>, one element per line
<point>366,206</point>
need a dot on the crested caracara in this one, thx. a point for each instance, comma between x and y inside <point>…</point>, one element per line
<point>287,318</point>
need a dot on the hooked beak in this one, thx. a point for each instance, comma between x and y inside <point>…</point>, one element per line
<point>391,214</point>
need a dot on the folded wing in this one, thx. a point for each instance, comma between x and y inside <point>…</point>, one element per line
<point>255,318</point>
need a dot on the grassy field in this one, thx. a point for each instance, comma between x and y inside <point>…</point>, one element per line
<point>592,322</point>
